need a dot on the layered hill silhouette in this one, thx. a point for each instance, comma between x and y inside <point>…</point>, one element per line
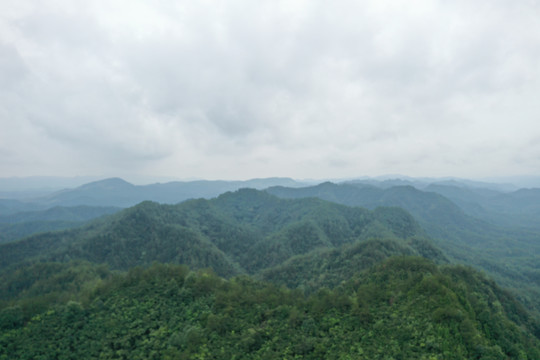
<point>117,192</point>
<point>240,232</point>
<point>506,253</point>
<point>516,208</point>
<point>70,208</point>
<point>438,215</point>
<point>22,224</point>
<point>306,278</point>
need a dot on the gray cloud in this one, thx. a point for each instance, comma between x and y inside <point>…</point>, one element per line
<point>241,89</point>
<point>12,68</point>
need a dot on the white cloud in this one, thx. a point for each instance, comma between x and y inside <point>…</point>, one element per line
<point>238,89</point>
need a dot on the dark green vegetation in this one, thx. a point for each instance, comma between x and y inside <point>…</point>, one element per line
<point>240,232</point>
<point>289,278</point>
<point>508,253</point>
<point>403,308</point>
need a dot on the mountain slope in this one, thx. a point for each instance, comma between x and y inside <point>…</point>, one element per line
<point>357,286</point>
<point>519,208</point>
<point>330,267</point>
<point>438,216</point>
<point>244,231</point>
<point>404,308</point>
<point>507,254</point>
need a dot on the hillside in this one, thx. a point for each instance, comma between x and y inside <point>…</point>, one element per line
<point>330,267</point>
<point>508,254</point>
<point>403,308</point>
<point>440,217</point>
<point>296,278</point>
<point>243,231</point>
<point>520,208</point>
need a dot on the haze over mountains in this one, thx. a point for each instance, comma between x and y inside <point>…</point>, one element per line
<point>378,252</point>
<point>120,193</point>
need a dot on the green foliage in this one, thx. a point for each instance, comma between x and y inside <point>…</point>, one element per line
<point>335,282</point>
<point>241,232</point>
<point>33,288</point>
<point>403,308</point>
<point>508,253</point>
<point>329,267</point>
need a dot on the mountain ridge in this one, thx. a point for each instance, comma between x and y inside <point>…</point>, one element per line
<point>249,225</point>
<point>337,280</point>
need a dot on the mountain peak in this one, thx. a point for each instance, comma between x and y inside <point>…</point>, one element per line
<point>110,183</point>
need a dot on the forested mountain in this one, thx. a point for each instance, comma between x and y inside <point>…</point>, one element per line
<point>330,267</point>
<point>402,308</point>
<point>516,208</point>
<point>438,215</point>
<point>20,217</point>
<point>243,231</point>
<point>496,203</point>
<point>306,278</point>
<point>508,254</point>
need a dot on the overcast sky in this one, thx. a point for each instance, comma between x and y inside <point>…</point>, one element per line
<point>243,89</point>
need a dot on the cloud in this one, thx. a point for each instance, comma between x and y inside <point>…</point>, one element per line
<point>240,89</point>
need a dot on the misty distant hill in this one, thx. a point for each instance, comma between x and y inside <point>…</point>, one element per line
<point>516,208</point>
<point>21,224</point>
<point>72,207</point>
<point>423,183</point>
<point>438,215</point>
<point>506,252</point>
<point>117,192</point>
<point>12,206</point>
<point>120,193</point>
<point>497,203</point>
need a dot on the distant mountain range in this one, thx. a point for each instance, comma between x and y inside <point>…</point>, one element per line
<point>457,209</point>
<point>22,224</point>
<point>518,208</point>
<point>463,217</point>
<point>243,232</point>
<point>364,268</point>
<point>487,201</point>
<point>503,249</point>
<point>105,196</point>
<point>120,193</point>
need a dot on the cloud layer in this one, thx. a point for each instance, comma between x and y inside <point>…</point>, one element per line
<point>239,89</point>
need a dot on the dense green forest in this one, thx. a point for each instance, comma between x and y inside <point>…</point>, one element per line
<point>402,308</point>
<point>506,251</point>
<point>250,275</point>
<point>241,232</point>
